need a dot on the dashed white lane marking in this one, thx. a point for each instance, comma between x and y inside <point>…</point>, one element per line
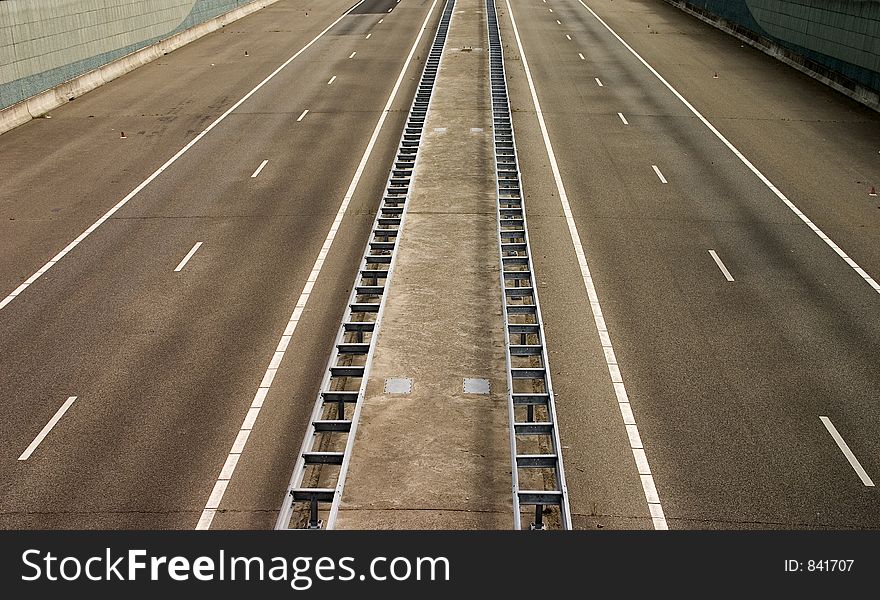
<point>332,79</point>
<point>599,83</point>
<point>721,266</point>
<point>655,508</point>
<point>303,115</point>
<point>622,118</point>
<point>837,249</point>
<point>368,35</point>
<point>568,37</point>
<point>45,431</point>
<point>853,461</point>
<point>352,54</point>
<point>659,174</point>
<point>260,168</point>
<point>238,446</point>
<point>581,56</point>
<point>15,293</point>
<point>380,20</point>
<point>558,22</point>
<point>550,9</point>
<point>188,256</point>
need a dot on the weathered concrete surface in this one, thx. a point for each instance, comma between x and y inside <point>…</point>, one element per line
<point>439,458</point>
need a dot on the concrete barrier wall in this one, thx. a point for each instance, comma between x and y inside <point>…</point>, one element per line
<point>76,78</point>
<point>837,41</point>
<point>44,43</point>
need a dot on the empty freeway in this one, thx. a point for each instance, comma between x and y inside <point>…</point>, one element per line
<point>183,290</point>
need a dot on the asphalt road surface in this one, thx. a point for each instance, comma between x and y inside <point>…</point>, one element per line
<point>727,380</point>
<point>735,325</point>
<point>165,363</point>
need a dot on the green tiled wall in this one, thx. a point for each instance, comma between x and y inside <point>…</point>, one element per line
<point>46,42</point>
<point>841,35</point>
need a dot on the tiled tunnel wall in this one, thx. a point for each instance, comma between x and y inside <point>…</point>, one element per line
<point>843,36</point>
<point>46,42</point>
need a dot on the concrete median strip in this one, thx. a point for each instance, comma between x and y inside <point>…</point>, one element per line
<point>438,457</point>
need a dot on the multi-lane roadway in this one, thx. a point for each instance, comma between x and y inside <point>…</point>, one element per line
<point>714,353</point>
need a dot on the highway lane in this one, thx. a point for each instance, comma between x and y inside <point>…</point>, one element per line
<point>727,379</point>
<point>61,174</point>
<point>164,363</point>
<point>255,494</point>
<point>772,113</point>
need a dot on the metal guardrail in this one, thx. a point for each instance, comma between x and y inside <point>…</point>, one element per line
<point>536,452</point>
<point>319,473</point>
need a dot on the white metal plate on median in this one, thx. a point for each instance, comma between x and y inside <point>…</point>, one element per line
<point>398,385</point>
<point>476,386</point>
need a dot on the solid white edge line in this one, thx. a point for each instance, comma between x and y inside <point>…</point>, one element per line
<point>844,447</point>
<point>188,256</point>
<point>659,174</point>
<point>859,270</point>
<point>303,115</point>
<point>238,446</point>
<point>622,118</point>
<point>655,508</point>
<point>260,168</point>
<point>167,164</point>
<point>721,265</point>
<point>332,79</point>
<point>48,427</point>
